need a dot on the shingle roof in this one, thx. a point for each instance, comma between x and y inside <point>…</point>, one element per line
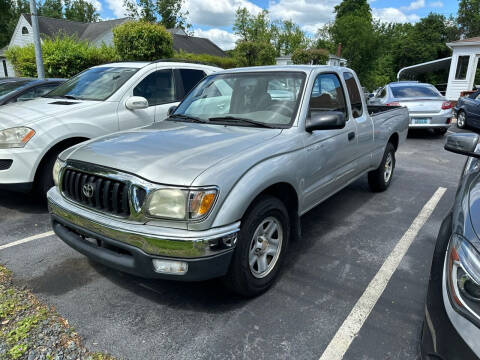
<point>196,45</point>
<point>473,39</point>
<point>102,31</point>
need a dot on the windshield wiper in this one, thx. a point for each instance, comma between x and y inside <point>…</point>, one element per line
<point>187,118</point>
<point>241,120</point>
<point>69,97</point>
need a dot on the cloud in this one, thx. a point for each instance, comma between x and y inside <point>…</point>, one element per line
<point>310,14</point>
<point>223,39</point>
<point>414,5</point>
<point>117,7</point>
<point>96,3</point>
<point>394,15</point>
<point>436,4</point>
<point>216,13</point>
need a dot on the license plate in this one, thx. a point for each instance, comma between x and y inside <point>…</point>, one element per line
<point>420,121</point>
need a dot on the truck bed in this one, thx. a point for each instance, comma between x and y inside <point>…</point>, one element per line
<point>376,109</point>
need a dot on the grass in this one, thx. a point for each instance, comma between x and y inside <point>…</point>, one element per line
<point>23,318</point>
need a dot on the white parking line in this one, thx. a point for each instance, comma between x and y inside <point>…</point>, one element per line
<point>340,343</point>
<point>23,241</point>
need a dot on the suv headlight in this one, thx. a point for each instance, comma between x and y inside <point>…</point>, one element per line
<point>463,277</point>
<point>16,137</point>
<point>57,167</point>
<point>181,204</point>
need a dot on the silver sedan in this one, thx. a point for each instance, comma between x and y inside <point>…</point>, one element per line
<point>428,108</point>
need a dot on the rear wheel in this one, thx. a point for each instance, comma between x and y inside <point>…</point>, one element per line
<point>44,179</point>
<point>380,179</point>
<point>462,120</point>
<point>260,248</point>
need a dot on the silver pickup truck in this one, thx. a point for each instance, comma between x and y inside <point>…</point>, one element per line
<point>218,188</point>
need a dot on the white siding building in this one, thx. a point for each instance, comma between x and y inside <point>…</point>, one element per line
<point>463,66</point>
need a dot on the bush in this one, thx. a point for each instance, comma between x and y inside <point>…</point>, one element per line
<point>310,56</point>
<point>63,57</point>
<point>142,41</point>
<point>223,62</point>
<point>249,53</point>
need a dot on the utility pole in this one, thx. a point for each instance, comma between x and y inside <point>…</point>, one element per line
<point>36,41</point>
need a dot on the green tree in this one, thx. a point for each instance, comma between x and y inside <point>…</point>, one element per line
<point>168,13</point>
<point>310,56</point>
<point>255,28</point>
<point>52,8</point>
<point>469,17</point>
<point>142,41</point>
<point>5,20</point>
<point>288,37</point>
<point>80,10</point>
<point>357,7</point>
<point>252,53</point>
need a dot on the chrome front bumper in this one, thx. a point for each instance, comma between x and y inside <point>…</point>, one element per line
<point>152,240</point>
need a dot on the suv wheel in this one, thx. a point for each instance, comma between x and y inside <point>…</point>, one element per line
<point>261,247</point>
<point>44,180</point>
<point>380,179</point>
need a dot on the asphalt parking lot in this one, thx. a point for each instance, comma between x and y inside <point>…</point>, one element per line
<point>345,242</point>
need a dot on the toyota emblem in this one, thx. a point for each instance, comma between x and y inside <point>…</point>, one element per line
<point>88,190</point>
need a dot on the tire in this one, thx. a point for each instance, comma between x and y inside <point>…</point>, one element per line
<point>380,179</point>
<point>462,120</point>
<point>440,131</point>
<point>44,179</point>
<point>248,274</point>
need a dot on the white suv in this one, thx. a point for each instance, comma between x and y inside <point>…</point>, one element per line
<point>101,100</point>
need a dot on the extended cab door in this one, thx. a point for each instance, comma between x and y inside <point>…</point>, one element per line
<point>329,154</point>
<point>158,87</point>
<point>359,115</point>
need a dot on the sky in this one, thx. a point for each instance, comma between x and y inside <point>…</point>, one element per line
<point>213,19</point>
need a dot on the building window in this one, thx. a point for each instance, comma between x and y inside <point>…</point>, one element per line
<point>24,30</point>
<point>5,71</point>
<point>462,67</point>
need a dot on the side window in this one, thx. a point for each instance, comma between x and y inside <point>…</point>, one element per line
<point>462,67</point>
<point>157,88</point>
<point>327,94</point>
<point>354,95</point>
<point>190,78</point>
<point>27,95</point>
<point>45,89</point>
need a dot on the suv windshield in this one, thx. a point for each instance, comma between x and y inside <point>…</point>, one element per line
<point>94,84</point>
<point>267,99</point>
<point>8,87</point>
<point>412,91</point>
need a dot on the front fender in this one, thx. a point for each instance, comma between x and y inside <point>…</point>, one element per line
<point>275,170</point>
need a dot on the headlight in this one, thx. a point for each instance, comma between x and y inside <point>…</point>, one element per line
<point>180,204</point>
<point>59,164</point>
<point>463,277</point>
<point>16,137</point>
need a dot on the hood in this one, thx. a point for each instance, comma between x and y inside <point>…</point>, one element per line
<point>27,112</point>
<point>172,153</point>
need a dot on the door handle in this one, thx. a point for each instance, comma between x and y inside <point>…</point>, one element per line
<point>351,136</point>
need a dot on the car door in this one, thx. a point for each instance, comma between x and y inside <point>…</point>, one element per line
<point>185,80</point>
<point>474,108</point>
<point>329,154</point>
<point>364,123</point>
<point>158,88</point>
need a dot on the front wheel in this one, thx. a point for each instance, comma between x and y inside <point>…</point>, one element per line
<point>260,248</point>
<point>380,179</point>
<point>462,120</point>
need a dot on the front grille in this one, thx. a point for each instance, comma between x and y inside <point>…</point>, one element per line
<point>5,164</point>
<point>105,194</point>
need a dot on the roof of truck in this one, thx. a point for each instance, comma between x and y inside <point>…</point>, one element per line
<point>141,64</point>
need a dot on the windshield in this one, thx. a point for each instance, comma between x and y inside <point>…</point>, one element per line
<point>94,84</point>
<point>9,87</point>
<point>268,98</point>
<point>412,91</point>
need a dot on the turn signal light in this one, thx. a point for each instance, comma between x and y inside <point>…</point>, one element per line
<point>395,103</point>
<point>447,105</point>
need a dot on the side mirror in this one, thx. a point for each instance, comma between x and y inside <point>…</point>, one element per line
<point>171,110</point>
<point>325,120</point>
<point>136,103</point>
<point>464,144</point>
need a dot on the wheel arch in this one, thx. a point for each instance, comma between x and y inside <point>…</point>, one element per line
<point>394,140</point>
